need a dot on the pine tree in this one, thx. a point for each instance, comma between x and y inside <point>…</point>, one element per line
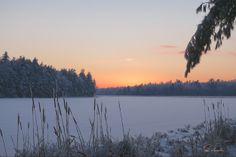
<point>216,25</point>
<point>17,76</point>
<point>5,57</point>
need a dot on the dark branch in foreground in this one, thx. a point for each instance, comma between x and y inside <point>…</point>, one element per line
<point>216,25</point>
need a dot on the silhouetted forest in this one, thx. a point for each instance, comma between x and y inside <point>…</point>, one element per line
<point>177,88</point>
<point>18,76</point>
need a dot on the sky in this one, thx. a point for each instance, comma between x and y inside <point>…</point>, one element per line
<point>121,42</point>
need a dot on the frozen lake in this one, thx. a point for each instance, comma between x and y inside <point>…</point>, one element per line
<point>142,115</point>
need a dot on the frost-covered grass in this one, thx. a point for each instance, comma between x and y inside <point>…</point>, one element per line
<point>214,137</point>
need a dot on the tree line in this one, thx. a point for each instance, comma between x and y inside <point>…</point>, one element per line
<point>20,76</point>
<point>177,88</point>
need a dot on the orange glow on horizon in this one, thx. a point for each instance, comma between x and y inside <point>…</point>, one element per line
<point>120,43</point>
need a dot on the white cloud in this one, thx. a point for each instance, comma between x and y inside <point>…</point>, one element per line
<point>129,59</point>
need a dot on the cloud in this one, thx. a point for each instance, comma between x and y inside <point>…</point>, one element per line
<point>181,52</point>
<point>228,53</point>
<point>168,46</point>
<point>174,52</point>
<point>232,53</point>
<point>129,59</point>
<point>168,49</point>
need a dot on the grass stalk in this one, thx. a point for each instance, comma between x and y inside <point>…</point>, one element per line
<point>3,141</point>
<point>33,110</point>
<point>79,133</point>
<point>106,123</point>
<point>37,127</point>
<point>121,118</point>
<point>17,134</point>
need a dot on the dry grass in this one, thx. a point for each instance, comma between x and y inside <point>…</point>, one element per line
<point>217,132</point>
<point>211,138</point>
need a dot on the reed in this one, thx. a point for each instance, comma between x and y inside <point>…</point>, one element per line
<point>3,141</point>
<point>33,109</point>
<point>216,136</point>
<point>106,123</point>
<point>121,118</point>
<point>79,133</point>
<point>17,134</point>
<point>28,136</point>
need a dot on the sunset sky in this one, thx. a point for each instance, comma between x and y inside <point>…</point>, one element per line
<point>121,42</point>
